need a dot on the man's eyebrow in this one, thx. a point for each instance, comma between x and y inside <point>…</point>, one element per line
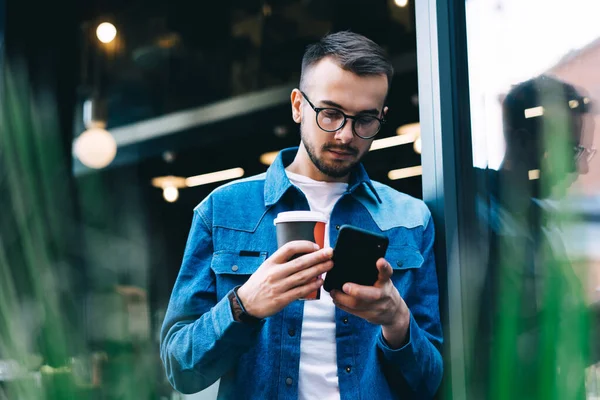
<point>372,111</point>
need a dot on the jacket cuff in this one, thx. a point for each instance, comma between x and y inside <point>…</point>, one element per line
<point>406,357</point>
<point>230,330</point>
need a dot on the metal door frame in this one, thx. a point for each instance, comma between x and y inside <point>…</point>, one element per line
<point>448,184</point>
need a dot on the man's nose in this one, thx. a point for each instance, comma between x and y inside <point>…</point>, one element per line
<point>345,135</point>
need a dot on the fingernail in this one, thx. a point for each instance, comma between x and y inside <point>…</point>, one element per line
<point>346,288</point>
<point>329,252</point>
<point>317,247</point>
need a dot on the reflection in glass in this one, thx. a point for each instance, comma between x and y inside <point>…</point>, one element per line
<point>533,92</point>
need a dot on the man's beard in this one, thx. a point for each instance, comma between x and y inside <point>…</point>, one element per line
<point>332,170</point>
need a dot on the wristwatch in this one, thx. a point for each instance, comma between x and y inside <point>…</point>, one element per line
<point>238,310</point>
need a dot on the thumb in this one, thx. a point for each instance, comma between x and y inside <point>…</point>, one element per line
<point>385,271</point>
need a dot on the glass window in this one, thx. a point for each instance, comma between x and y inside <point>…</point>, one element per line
<point>534,90</point>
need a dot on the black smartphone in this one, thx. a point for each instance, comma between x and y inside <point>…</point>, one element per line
<point>355,257</point>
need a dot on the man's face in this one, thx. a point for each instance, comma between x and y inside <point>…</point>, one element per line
<point>560,166</point>
<point>333,154</point>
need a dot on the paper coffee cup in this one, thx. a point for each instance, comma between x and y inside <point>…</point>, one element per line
<point>301,225</point>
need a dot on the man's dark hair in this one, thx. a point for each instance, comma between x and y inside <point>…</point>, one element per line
<point>541,91</point>
<point>352,52</point>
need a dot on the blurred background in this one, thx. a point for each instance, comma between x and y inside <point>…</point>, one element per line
<point>113,114</point>
<point>118,117</point>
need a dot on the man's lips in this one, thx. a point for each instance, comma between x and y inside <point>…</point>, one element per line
<point>341,152</point>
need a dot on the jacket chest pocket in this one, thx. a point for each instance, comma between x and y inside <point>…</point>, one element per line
<point>405,261</point>
<point>234,268</point>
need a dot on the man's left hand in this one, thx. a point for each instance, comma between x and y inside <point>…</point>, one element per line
<point>380,304</point>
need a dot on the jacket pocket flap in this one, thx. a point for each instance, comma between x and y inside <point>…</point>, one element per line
<point>237,263</point>
<point>405,257</point>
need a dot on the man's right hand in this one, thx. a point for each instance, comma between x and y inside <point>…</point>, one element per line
<point>279,280</point>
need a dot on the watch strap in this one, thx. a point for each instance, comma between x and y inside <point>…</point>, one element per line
<point>239,312</point>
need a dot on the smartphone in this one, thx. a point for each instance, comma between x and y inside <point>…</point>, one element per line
<point>355,257</point>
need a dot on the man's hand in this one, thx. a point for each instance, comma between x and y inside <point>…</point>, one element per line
<point>279,281</point>
<point>379,304</point>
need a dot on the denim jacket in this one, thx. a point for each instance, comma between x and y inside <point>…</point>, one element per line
<point>232,234</point>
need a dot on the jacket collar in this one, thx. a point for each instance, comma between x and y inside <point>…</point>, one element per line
<point>277,182</point>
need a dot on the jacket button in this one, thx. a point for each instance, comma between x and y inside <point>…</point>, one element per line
<point>289,381</point>
<point>399,263</point>
<point>235,268</point>
<point>291,332</point>
<point>348,369</point>
<point>345,320</point>
<point>337,227</point>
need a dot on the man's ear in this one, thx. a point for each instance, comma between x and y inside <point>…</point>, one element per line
<point>296,99</point>
<point>385,111</point>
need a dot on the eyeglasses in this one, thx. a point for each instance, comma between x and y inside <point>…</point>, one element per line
<point>332,120</point>
<point>584,151</point>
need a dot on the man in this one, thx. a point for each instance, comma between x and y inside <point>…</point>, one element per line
<point>234,312</point>
<point>533,321</point>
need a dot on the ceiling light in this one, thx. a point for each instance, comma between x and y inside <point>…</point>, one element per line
<point>164,181</point>
<point>95,148</point>
<point>169,156</point>
<point>412,129</point>
<point>405,172</point>
<point>170,186</point>
<point>534,174</point>
<point>401,3</point>
<point>268,158</point>
<point>106,32</point>
<point>415,99</point>
<point>212,177</point>
<point>417,146</point>
<point>391,142</point>
<point>171,194</point>
<point>280,131</point>
<point>534,112</point>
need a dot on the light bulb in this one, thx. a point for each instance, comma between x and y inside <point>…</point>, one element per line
<point>268,158</point>
<point>95,148</point>
<point>401,3</point>
<point>417,145</point>
<point>412,129</point>
<point>170,193</point>
<point>106,32</point>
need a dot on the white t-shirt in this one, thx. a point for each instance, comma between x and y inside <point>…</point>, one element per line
<point>318,353</point>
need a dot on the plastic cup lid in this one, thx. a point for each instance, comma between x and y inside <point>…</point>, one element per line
<point>300,216</point>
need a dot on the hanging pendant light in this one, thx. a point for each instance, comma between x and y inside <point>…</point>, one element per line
<point>96,148</point>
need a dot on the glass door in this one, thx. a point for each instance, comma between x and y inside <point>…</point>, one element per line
<point>508,107</point>
<point>534,89</point>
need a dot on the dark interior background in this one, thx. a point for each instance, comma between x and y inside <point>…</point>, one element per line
<point>170,57</point>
